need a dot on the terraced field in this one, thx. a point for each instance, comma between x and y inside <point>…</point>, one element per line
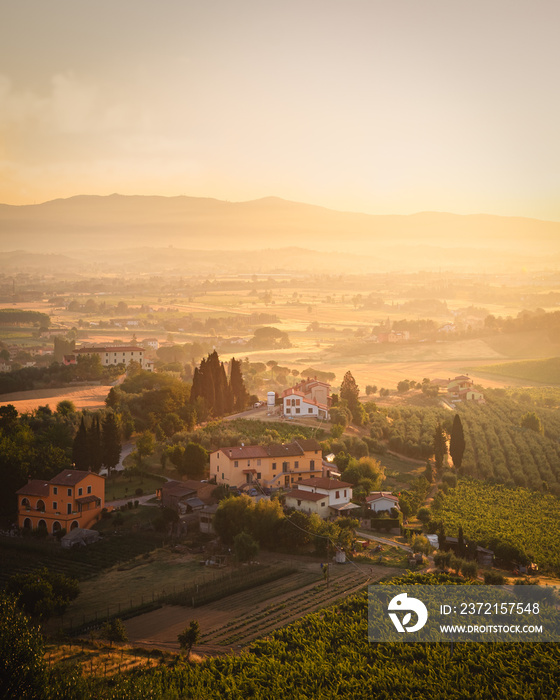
<point>235,621</point>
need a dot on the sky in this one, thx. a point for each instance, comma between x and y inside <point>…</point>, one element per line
<point>377,106</point>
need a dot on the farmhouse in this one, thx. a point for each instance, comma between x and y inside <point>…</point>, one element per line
<point>460,389</point>
<point>381,500</point>
<point>114,355</point>
<point>71,499</point>
<point>307,398</point>
<point>273,465</point>
<point>323,496</point>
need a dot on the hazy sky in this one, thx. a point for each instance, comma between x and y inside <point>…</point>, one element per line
<point>380,106</point>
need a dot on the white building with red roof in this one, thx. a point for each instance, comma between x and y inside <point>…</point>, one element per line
<point>115,355</point>
<point>323,496</point>
<point>381,500</point>
<point>309,397</point>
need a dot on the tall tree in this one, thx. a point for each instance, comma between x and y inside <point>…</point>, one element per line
<point>237,386</point>
<point>457,442</point>
<point>349,391</point>
<point>111,442</point>
<point>194,460</point>
<point>440,446</point>
<point>80,448</point>
<point>95,446</point>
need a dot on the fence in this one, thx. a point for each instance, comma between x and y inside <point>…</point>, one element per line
<point>204,591</point>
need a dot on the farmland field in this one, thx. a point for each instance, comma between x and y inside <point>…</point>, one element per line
<point>90,397</point>
<point>495,515</point>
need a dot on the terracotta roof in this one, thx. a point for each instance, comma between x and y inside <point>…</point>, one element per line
<point>275,449</point>
<point>302,495</point>
<point>308,445</point>
<point>70,477</point>
<point>323,482</point>
<point>380,494</point>
<point>35,487</point>
<point>111,348</point>
<point>245,452</point>
<point>88,499</point>
<point>290,449</point>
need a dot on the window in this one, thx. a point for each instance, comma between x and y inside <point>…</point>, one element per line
<point>236,463</point>
<point>298,410</point>
<point>285,466</point>
<point>337,494</point>
<point>55,505</point>
<point>323,504</point>
<point>296,465</point>
<point>69,509</point>
<point>55,490</point>
<point>248,462</point>
<point>80,491</point>
<point>312,465</point>
<point>299,503</point>
<point>258,462</point>
<point>344,493</point>
<point>258,475</point>
<point>89,489</point>
<point>69,492</point>
<point>309,410</point>
<point>288,410</point>
<point>274,466</point>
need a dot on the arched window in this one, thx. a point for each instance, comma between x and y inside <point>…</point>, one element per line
<point>25,503</point>
<point>41,524</point>
<point>41,506</point>
<point>74,525</point>
<point>56,526</point>
<point>27,523</point>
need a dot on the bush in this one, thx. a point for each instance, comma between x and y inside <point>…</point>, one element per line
<point>469,569</point>
<point>493,578</point>
<point>139,491</point>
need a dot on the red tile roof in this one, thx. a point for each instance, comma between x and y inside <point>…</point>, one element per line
<point>88,499</point>
<point>34,487</point>
<point>381,494</point>
<point>111,348</point>
<point>302,495</point>
<point>323,482</point>
<point>70,477</point>
<point>308,445</point>
<point>245,452</point>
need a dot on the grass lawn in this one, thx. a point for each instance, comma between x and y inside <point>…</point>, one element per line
<point>135,582</point>
<point>399,473</point>
<point>120,485</point>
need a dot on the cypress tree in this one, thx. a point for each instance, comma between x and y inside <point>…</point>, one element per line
<point>440,447</point>
<point>95,448</point>
<point>238,391</point>
<point>80,447</point>
<point>111,442</point>
<point>457,442</point>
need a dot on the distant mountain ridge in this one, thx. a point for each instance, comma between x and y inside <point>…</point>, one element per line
<point>118,221</point>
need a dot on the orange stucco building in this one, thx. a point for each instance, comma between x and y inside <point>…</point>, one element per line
<point>71,499</point>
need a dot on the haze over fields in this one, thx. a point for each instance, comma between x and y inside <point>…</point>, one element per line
<point>428,240</point>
